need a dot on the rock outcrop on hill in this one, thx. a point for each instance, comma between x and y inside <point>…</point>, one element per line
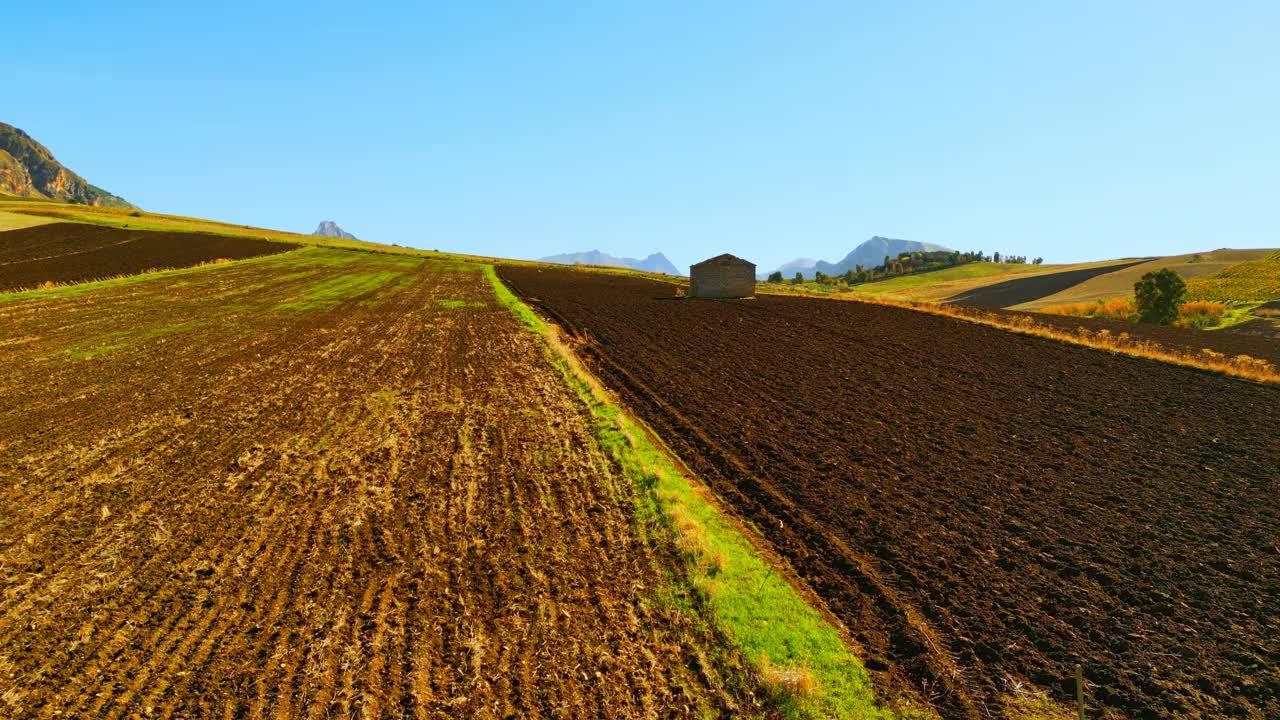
<point>28,169</point>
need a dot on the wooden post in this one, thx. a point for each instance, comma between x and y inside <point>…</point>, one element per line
<point>1079,691</point>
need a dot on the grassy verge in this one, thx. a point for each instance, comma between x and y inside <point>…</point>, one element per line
<point>800,657</point>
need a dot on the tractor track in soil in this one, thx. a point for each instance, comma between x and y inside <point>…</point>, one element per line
<point>980,508</point>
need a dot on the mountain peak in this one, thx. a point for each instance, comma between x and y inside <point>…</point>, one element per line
<point>656,263</point>
<point>28,169</point>
<point>329,228</point>
<point>869,254</point>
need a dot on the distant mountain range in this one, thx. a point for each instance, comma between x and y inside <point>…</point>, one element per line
<point>329,228</point>
<point>28,169</point>
<point>657,262</point>
<point>869,254</point>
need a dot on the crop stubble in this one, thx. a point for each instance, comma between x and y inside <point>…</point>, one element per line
<point>385,505</point>
<point>981,508</point>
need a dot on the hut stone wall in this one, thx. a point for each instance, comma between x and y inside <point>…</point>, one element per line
<point>722,277</point>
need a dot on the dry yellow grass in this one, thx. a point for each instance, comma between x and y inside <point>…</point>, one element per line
<point>1114,309</point>
<point>1198,314</point>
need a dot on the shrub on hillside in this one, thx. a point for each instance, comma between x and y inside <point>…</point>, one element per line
<point>1114,309</point>
<point>1200,314</point>
<point>1158,294</point>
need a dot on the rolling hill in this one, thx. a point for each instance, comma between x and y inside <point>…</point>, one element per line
<point>29,169</point>
<point>1120,283</point>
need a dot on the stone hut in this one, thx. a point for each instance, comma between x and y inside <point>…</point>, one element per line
<point>723,276</point>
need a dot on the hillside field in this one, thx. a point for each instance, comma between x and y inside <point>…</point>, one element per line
<point>1120,283</point>
<point>939,285</point>
<point>983,509</point>
<point>1257,280</point>
<point>67,253</point>
<point>344,479</point>
<point>323,484</point>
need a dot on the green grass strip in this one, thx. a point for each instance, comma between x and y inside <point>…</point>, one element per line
<point>800,657</point>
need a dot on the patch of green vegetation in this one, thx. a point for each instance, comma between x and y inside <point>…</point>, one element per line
<point>800,656</point>
<point>120,339</point>
<point>382,403</point>
<point>508,299</point>
<point>452,304</point>
<point>101,345</point>
<point>1237,312</point>
<point>328,293</point>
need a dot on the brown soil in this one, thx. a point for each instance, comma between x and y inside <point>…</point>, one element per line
<point>74,252</point>
<point>1026,289</point>
<point>388,507</point>
<point>981,508</point>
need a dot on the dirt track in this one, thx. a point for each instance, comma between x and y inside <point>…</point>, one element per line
<point>981,508</point>
<point>1025,289</point>
<point>385,505</point>
<point>75,252</point>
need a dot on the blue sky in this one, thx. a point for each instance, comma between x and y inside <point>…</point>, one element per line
<point>1069,130</point>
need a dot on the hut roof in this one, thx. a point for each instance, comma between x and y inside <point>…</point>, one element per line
<point>725,259</point>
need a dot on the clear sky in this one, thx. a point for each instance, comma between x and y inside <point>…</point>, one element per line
<point>1071,130</point>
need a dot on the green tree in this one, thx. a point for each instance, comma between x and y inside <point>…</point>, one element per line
<point>820,277</point>
<point>1159,293</point>
<point>798,279</point>
<point>775,276</point>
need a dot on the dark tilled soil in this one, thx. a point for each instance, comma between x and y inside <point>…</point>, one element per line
<point>74,252</point>
<point>1229,341</point>
<point>981,508</point>
<point>1026,289</point>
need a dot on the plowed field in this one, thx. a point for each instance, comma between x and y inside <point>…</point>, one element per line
<point>982,508</point>
<point>73,252</point>
<point>321,484</point>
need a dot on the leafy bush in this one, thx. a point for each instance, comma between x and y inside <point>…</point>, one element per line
<point>775,276</point>
<point>1114,309</point>
<point>1200,314</point>
<point>1158,294</point>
